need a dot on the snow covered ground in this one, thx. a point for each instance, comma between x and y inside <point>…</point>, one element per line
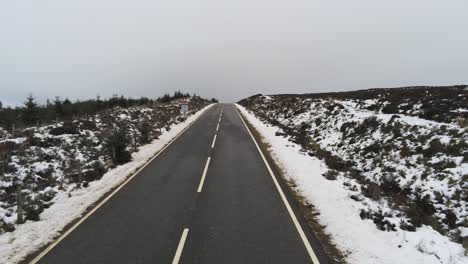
<point>364,242</point>
<point>30,236</point>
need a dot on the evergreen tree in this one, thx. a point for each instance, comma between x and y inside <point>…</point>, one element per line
<point>67,108</point>
<point>117,144</point>
<point>99,104</point>
<point>58,107</point>
<point>166,98</point>
<point>114,100</point>
<point>145,132</point>
<point>48,113</point>
<point>30,113</point>
<point>123,102</point>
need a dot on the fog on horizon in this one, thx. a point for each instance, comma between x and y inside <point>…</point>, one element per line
<point>227,50</point>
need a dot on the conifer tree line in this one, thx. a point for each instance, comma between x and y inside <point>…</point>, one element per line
<point>31,113</point>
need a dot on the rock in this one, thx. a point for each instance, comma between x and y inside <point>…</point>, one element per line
<point>356,198</point>
<point>279,133</point>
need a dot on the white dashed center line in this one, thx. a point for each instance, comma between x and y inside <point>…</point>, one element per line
<point>180,247</point>
<point>214,141</point>
<point>204,174</point>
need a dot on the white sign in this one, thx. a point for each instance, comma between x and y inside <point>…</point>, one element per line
<point>184,108</point>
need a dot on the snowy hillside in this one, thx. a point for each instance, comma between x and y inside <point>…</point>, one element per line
<point>401,154</point>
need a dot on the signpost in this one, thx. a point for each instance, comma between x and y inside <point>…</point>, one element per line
<point>184,106</point>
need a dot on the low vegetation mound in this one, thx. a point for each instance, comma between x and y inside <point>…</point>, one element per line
<point>402,152</point>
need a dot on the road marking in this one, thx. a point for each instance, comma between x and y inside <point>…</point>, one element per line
<point>180,247</point>
<point>204,174</point>
<point>214,141</point>
<point>306,242</point>
<point>64,235</point>
<point>217,127</point>
<point>221,115</point>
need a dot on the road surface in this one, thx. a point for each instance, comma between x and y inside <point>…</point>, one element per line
<point>208,198</point>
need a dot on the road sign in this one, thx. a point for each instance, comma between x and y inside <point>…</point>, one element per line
<point>184,108</point>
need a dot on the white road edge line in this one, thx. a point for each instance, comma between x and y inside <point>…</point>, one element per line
<point>180,247</point>
<point>306,242</point>
<point>64,235</point>
<point>204,174</point>
<point>214,141</point>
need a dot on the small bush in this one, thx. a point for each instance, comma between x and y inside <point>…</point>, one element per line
<point>390,109</point>
<point>405,151</point>
<point>145,132</point>
<point>67,128</point>
<point>421,211</point>
<point>404,225</point>
<point>444,164</point>
<point>390,185</point>
<point>372,191</point>
<point>435,146</point>
<point>379,220</point>
<point>33,209</point>
<point>330,175</point>
<point>450,218</point>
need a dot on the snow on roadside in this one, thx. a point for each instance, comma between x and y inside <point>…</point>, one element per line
<point>30,236</point>
<point>340,214</point>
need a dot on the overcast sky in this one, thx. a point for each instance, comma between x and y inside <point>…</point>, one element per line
<point>227,49</point>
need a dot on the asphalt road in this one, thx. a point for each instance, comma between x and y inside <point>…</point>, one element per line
<point>182,208</point>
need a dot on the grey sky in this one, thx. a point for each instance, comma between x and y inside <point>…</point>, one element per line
<point>227,49</point>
